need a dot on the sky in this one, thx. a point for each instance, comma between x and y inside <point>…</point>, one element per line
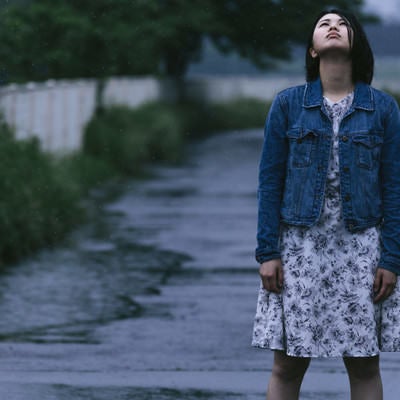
<point>388,10</point>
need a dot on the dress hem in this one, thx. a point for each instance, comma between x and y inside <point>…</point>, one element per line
<point>272,348</point>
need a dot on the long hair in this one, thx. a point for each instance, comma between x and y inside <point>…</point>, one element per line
<point>361,55</point>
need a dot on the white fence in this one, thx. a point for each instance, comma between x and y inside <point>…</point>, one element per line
<point>132,92</point>
<point>57,111</point>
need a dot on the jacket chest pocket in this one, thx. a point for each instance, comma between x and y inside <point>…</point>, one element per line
<point>368,150</point>
<point>302,145</point>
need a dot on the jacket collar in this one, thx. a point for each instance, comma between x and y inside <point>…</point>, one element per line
<point>363,97</point>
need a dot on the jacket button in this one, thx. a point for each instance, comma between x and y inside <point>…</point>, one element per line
<point>345,138</point>
<point>346,169</point>
<point>351,226</point>
<point>347,197</point>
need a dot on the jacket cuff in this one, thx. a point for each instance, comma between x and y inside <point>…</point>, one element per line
<point>263,256</point>
<point>390,265</point>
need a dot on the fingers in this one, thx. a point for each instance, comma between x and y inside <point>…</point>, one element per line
<point>280,277</point>
<point>377,281</point>
<point>384,284</point>
<point>271,274</point>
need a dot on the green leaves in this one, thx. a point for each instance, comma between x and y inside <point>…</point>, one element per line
<point>38,204</point>
<point>261,29</point>
<point>55,39</point>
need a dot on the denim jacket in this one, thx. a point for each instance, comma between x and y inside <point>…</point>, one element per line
<point>294,166</point>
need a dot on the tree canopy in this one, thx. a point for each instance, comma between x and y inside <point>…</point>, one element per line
<point>53,39</point>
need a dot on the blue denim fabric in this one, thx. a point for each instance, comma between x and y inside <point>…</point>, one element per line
<point>294,166</point>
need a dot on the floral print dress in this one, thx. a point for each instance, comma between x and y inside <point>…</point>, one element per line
<point>326,307</point>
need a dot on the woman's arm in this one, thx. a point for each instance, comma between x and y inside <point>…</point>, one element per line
<point>390,170</point>
<point>272,172</point>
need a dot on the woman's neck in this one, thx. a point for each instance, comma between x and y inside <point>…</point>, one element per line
<point>336,78</point>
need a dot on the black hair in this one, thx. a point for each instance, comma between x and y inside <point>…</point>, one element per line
<point>360,52</point>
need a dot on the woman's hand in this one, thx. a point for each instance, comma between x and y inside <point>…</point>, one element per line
<point>271,273</point>
<point>384,284</point>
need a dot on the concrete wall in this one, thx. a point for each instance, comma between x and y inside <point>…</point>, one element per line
<point>135,91</point>
<point>57,111</point>
<point>132,91</point>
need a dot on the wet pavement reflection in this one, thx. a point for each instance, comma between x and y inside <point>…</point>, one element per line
<point>155,297</point>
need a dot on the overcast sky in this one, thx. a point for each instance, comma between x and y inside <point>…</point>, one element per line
<point>389,10</point>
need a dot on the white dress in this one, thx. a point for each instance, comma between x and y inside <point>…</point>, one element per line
<point>326,307</point>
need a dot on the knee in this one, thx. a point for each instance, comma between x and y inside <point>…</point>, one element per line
<point>364,368</point>
<point>290,369</point>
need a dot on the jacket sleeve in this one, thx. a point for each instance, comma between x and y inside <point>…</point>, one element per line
<point>272,172</point>
<point>390,170</point>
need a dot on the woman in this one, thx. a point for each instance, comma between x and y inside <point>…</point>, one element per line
<point>329,217</point>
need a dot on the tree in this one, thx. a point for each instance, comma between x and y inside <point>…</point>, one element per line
<point>97,38</point>
<point>57,39</point>
<point>263,29</point>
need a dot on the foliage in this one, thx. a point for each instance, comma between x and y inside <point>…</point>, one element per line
<point>241,113</point>
<point>260,29</point>
<point>98,38</point>
<point>70,39</point>
<point>41,194</point>
<point>128,138</point>
<point>85,171</point>
<point>38,203</point>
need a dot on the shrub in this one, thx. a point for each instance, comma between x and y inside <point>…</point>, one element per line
<point>37,205</point>
<point>84,171</point>
<point>129,138</point>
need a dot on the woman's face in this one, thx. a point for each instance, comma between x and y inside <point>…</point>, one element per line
<point>331,33</point>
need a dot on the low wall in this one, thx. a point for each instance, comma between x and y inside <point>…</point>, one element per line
<point>57,111</point>
<point>135,91</point>
<point>132,91</point>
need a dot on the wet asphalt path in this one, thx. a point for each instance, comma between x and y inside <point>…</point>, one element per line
<point>154,299</point>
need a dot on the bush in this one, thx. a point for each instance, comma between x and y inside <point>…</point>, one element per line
<point>129,138</point>
<point>37,205</point>
<point>200,119</point>
<point>85,171</point>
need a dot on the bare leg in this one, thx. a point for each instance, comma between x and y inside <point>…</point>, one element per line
<point>365,378</point>
<point>287,376</point>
